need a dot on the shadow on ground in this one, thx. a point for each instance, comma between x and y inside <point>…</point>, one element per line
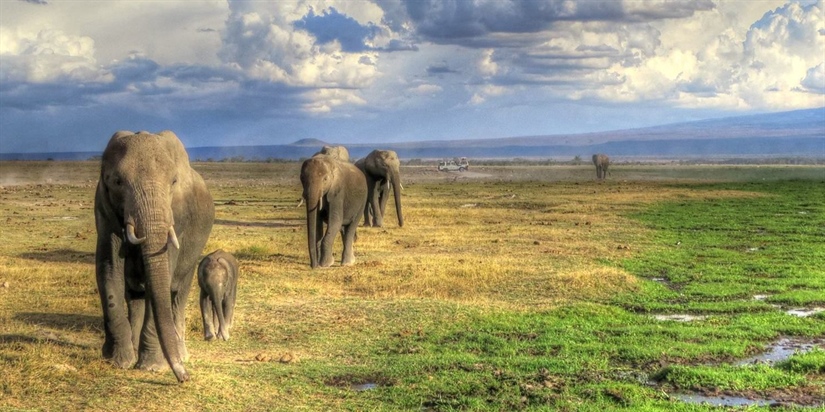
<point>64,321</point>
<point>61,256</point>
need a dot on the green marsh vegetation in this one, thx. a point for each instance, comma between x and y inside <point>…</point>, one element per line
<point>519,288</point>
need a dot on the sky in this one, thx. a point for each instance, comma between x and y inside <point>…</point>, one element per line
<point>220,73</point>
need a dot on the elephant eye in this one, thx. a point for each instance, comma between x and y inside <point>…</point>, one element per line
<point>175,180</point>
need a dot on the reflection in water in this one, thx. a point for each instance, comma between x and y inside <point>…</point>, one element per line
<point>363,386</point>
<point>721,400</point>
<point>778,351</point>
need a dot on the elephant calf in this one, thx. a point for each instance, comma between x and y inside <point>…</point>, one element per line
<point>218,280</point>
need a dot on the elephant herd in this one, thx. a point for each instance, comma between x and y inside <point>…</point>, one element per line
<point>154,214</point>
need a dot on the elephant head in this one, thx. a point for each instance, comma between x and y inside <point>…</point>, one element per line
<point>382,167</point>
<point>319,176</point>
<point>142,179</point>
<point>336,152</point>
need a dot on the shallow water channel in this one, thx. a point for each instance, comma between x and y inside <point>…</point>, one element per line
<point>776,352</point>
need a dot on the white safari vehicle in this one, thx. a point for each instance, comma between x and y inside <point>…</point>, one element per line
<point>452,165</point>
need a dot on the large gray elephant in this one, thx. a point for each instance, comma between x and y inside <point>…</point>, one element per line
<point>336,152</point>
<point>153,215</point>
<point>335,193</point>
<point>218,280</point>
<point>382,169</point>
<point>601,161</point>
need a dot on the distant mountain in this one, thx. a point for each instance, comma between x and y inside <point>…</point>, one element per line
<point>796,133</point>
<point>309,142</point>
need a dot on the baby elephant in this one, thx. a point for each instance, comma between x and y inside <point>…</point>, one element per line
<point>218,279</point>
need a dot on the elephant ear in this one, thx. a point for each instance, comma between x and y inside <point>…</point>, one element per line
<point>227,267</point>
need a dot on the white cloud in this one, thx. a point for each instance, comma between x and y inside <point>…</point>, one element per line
<point>768,66</point>
<point>49,56</point>
<point>261,41</point>
<point>815,79</point>
<point>426,89</point>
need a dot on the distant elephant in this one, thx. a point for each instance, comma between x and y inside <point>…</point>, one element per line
<point>601,161</point>
<point>335,193</point>
<point>218,279</point>
<point>382,169</point>
<point>337,152</point>
<point>153,215</point>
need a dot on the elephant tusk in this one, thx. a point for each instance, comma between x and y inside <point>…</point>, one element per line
<point>130,235</point>
<point>173,237</point>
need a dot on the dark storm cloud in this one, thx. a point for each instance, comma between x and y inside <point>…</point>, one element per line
<point>443,68</point>
<point>38,2</point>
<point>331,25</point>
<point>398,45</point>
<point>465,21</point>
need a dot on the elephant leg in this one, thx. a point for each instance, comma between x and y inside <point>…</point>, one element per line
<point>383,197</point>
<point>150,354</point>
<point>229,311</point>
<point>137,310</point>
<point>110,275</point>
<point>333,228</point>
<point>220,310</point>
<point>371,208</point>
<point>319,236</point>
<point>179,300</point>
<point>348,256</point>
<point>206,313</point>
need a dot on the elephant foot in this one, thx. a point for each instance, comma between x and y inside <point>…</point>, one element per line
<point>121,356</point>
<point>208,336</point>
<point>224,335</point>
<point>326,262</point>
<point>152,362</point>
<point>123,359</point>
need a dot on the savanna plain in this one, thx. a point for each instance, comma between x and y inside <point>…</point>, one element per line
<point>508,288</point>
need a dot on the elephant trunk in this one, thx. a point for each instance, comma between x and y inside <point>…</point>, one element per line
<point>396,191</point>
<point>153,218</point>
<point>314,204</point>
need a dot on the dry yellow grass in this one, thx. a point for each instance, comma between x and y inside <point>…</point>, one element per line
<point>513,238</point>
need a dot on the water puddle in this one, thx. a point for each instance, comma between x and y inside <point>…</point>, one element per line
<point>721,400</point>
<point>680,317</point>
<point>804,312</point>
<point>363,386</point>
<point>779,351</point>
<point>761,297</point>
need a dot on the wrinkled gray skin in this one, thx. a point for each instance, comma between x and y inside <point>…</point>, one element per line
<point>601,161</point>
<point>382,169</point>
<point>218,280</point>
<point>153,215</point>
<point>336,152</point>
<point>335,193</point>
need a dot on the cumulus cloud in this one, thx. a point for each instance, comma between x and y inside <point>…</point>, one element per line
<point>49,56</point>
<point>261,40</point>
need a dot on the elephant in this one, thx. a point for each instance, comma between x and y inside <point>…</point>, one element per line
<point>153,215</point>
<point>335,193</point>
<point>601,161</point>
<point>218,279</point>
<point>382,169</point>
<point>336,152</point>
